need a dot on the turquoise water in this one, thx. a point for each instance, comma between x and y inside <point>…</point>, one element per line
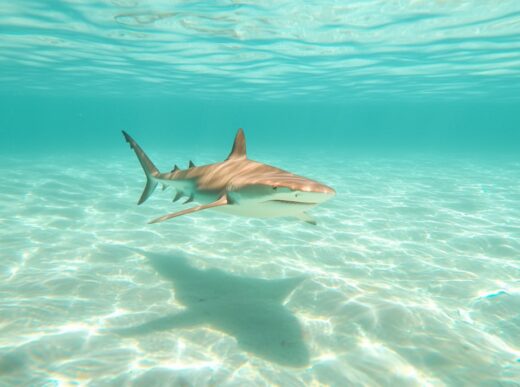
<point>408,109</point>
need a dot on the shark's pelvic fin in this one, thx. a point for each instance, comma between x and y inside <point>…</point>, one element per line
<point>148,167</point>
<point>306,218</point>
<point>239,147</point>
<point>220,202</point>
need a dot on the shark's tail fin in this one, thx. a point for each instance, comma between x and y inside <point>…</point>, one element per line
<point>148,167</point>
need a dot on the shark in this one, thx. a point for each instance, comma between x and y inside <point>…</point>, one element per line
<point>237,185</point>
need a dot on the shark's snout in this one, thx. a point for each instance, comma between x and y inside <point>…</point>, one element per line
<point>324,189</point>
<point>310,192</point>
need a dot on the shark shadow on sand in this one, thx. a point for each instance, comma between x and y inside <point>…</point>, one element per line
<point>249,309</point>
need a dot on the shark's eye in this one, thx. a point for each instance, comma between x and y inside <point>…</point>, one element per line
<point>275,188</point>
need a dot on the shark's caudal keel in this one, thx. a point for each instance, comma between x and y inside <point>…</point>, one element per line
<point>237,185</point>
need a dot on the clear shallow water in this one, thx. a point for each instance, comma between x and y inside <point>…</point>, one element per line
<point>409,109</point>
<point>411,278</point>
<point>360,50</point>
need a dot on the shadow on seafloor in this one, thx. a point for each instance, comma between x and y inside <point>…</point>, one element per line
<point>249,309</point>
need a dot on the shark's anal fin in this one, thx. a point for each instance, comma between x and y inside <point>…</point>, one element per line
<point>306,218</point>
<point>190,199</point>
<point>239,147</point>
<point>222,201</point>
<point>178,195</point>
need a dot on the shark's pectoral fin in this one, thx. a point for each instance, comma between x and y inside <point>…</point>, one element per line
<point>222,201</point>
<point>306,218</point>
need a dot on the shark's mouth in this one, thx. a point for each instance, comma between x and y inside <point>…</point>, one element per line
<point>291,202</point>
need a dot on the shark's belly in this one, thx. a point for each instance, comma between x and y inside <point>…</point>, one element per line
<point>264,209</point>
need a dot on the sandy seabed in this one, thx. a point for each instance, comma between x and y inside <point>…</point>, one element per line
<point>412,277</point>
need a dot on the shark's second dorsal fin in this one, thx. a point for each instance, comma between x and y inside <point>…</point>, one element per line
<point>239,147</point>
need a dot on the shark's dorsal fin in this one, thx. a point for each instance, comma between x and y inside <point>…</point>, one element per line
<point>175,168</point>
<point>239,147</point>
<point>219,202</point>
<point>191,165</point>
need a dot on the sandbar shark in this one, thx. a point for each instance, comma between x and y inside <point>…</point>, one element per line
<point>236,185</point>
